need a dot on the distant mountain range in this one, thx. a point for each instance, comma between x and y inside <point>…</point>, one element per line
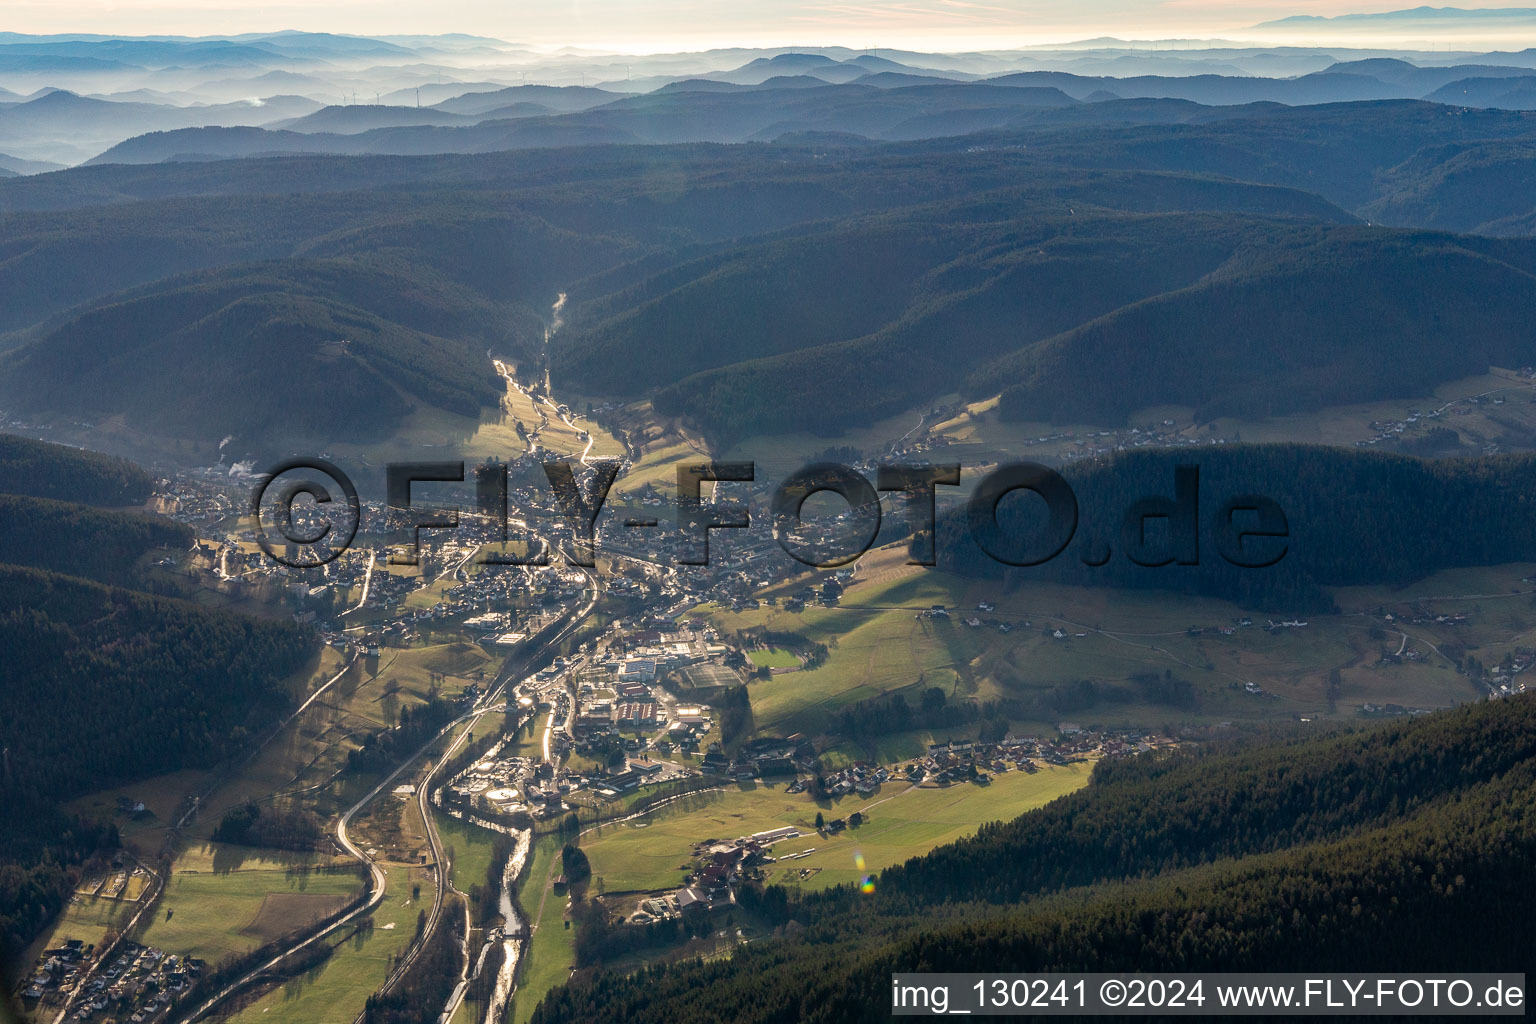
<point>66,100</point>
<point>880,105</point>
<point>1439,14</point>
<point>1069,247</point>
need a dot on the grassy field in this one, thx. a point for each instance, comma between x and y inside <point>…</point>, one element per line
<point>773,657</point>
<point>334,992</point>
<point>470,850</point>
<point>657,467</point>
<point>223,900</point>
<point>337,990</point>
<point>662,444</point>
<point>903,821</point>
<point>492,433</point>
<point>551,949</point>
<point>879,642</point>
<point>879,647</point>
<point>904,746</point>
<point>530,739</point>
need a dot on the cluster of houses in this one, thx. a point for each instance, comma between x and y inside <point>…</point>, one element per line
<point>1419,617</point>
<point>507,593</point>
<point>138,984</point>
<point>965,760</point>
<point>718,865</point>
<point>645,563</point>
<point>192,502</point>
<point>1389,710</point>
<point>762,758</point>
<point>1500,679</point>
<point>751,555</point>
<point>1391,432</point>
<point>861,778</point>
<point>1166,434</point>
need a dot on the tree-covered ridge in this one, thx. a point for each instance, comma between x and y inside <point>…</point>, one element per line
<point>879,314</point>
<point>81,541</point>
<point>1081,314</point>
<point>44,470</point>
<point>1400,847</point>
<point>810,284</point>
<point>1354,517</point>
<point>1146,816</point>
<point>259,353</point>
<point>100,685</point>
<point>104,684</point>
<point>1343,316</point>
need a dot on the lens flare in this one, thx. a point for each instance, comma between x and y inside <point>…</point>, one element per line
<point>858,861</point>
<point>868,885</point>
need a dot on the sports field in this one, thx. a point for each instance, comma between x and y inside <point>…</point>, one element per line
<point>773,657</point>
<point>707,676</point>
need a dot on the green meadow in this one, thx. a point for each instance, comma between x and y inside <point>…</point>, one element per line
<point>653,853</point>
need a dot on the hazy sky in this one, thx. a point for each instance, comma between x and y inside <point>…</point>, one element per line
<point>650,25</point>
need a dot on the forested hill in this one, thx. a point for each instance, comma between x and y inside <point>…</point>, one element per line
<point>1334,318</point>
<point>97,544</point>
<point>1246,302</point>
<point>104,685</point>
<point>264,353</point>
<point>1354,517</point>
<point>1091,259</point>
<point>43,470</point>
<point>101,685</point>
<point>1399,847</point>
<point>65,510</point>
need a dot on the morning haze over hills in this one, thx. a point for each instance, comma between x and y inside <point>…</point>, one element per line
<point>258,764</point>
<point>72,99</point>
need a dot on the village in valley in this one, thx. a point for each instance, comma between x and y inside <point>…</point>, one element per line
<point>499,734</point>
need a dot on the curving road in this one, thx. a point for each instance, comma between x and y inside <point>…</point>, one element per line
<point>491,702</point>
<point>378,876</point>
